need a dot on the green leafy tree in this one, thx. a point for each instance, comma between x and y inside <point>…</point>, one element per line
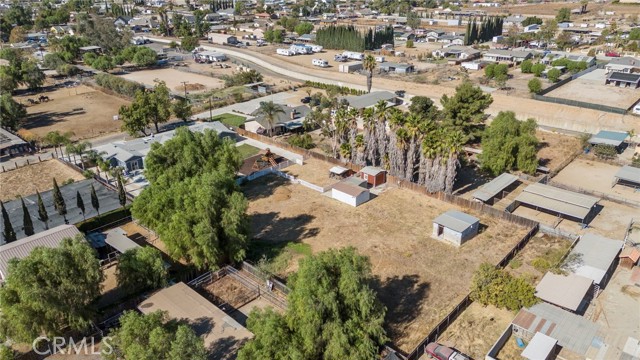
<point>553,75</point>
<point>141,269</point>
<point>605,151</point>
<point>27,223</point>
<point>409,44</point>
<point>8,234</point>
<point>423,106</point>
<point>102,63</point>
<point>181,108</point>
<point>42,212</point>
<point>95,202</point>
<point>11,113</point>
<point>304,28</point>
<point>535,85</point>
<point>303,141</point>
<point>53,60</point>
<point>548,30</point>
<point>333,313</point>
<point>499,288</point>
<point>563,15</point>
<point>270,111</point>
<point>80,203</point>
<point>413,20</point>
<point>274,36</point>
<point>58,201</point>
<point>537,69</point>
<point>144,57</point>
<point>135,116</point>
<point>193,201</point>
<point>634,34</point>
<point>152,336</point>
<point>122,194</point>
<point>8,80</point>
<point>160,101</point>
<point>525,66</point>
<point>188,43</point>
<point>466,108</point>
<point>49,290</point>
<point>508,143</point>
<point>531,20</point>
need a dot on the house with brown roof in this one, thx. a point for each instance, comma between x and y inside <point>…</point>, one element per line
<point>629,257</point>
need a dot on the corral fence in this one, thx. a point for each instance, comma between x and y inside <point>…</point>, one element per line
<point>6,166</point>
<point>499,344</point>
<point>277,284</point>
<point>582,104</point>
<point>572,77</point>
<point>555,171</point>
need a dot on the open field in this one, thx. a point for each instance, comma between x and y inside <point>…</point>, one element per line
<point>550,9</point>
<point>600,179</point>
<point>174,79</point>
<point>419,279</point>
<point>81,109</point>
<point>591,88</point>
<point>314,171</point>
<point>27,179</point>
<point>554,148</point>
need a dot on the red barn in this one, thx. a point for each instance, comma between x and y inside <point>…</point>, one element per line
<point>373,175</point>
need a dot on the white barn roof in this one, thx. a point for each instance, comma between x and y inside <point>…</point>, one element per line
<point>456,220</point>
<point>564,291</point>
<point>629,174</point>
<point>117,239</point>
<point>558,200</point>
<point>493,188</point>
<point>594,255</point>
<point>540,347</point>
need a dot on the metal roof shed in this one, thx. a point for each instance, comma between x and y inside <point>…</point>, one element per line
<point>494,187</point>
<point>608,138</point>
<point>541,347</point>
<point>568,292</point>
<point>628,174</point>
<point>594,257</point>
<point>455,227</point>
<point>559,201</point>
<point>117,239</point>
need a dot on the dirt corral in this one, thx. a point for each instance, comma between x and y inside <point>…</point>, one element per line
<point>27,179</point>
<point>84,111</point>
<point>230,291</point>
<point>419,279</point>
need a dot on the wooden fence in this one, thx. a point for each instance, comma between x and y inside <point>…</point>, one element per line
<point>7,166</point>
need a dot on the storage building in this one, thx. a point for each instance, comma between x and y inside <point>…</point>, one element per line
<point>628,175</point>
<point>455,227</point>
<point>594,257</point>
<point>571,292</point>
<point>541,347</point>
<point>373,175</point>
<point>491,190</point>
<point>350,192</point>
<point>612,138</point>
<point>629,257</point>
<point>396,67</point>
<point>557,201</point>
<point>350,67</point>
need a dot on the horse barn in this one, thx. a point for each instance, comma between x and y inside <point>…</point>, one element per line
<point>628,175</point>
<point>455,227</point>
<point>613,138</point>
<point>490,191</point>
<point>563,203</point>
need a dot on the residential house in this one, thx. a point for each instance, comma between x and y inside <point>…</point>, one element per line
<point>549,57</point>
<point>122,21</point>
<point>513,20</point>
<point>455,227</point>
<point>396,67</point>
<point>12,145</point>
<point>434,35</point>
<point>625,64</point>
<point>370,100</point>
<point>62,30</point>
<point>143,23</point>
<point>291,119</point>
<point>510,56</point>
<point>533,28</point>
<point>451,39</point>
<point>404,36</point>
<point>622,79</point>
<point>457,52</point>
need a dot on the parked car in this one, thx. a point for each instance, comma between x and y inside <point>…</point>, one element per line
<point>612,54</point>
<point>441,352</point>
<point>306,100</point>
<point>400,93</point>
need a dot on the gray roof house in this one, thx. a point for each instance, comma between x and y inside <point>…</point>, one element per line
<point>458,52</point>
<point>455,227</point>
<point>624,64</point>
<point>396,67</point>
<point>290,119</point>
<point>11,144</point>
<point>623,79</point>
<point>371,99</point>
<point>512,56</point>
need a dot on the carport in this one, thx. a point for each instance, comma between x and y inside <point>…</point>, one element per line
<point>118,240</point>
<point>612,138</point>
<point>628,175</point>
<point>493,188</point>
<point>553,200</point>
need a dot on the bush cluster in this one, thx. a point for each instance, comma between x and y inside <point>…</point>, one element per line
<point>499,288</point>
<point>343,90</point>
<point>119,85</point>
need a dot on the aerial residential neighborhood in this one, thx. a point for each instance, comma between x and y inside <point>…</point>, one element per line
<point>284,179</point>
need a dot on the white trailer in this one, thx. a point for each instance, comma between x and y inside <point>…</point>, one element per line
<point>320,63</point>
<point>316,48</point>
<point>353,55</point>
<point>380,59</point>
<point>284,52</point>
<point>301,49</point>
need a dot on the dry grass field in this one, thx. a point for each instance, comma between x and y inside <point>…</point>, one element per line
<point>174,79</point>
<point>27,179</point>
<point>554,148</point>
<point>418,278</point>
<point>93,114</point>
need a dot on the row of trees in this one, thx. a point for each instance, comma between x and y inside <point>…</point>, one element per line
<point>484,31</point>
<point>349,38</point>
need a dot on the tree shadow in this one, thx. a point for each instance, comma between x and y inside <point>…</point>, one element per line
<point>469,178</point>
<point>263,187</point>
<point>42,118</point>
<point>403,297</point>
<point>201,326</point>
<point>224,348</point>
<point>272,234</point>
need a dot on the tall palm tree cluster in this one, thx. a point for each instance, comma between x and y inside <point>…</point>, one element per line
<point>412,146</point>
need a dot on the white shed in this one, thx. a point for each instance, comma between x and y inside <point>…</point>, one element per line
<point>349,193</point>
<point>455,227</point>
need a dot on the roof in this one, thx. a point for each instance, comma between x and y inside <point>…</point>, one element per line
<point>89,48</point>
<point>117,239</point>
<point>349,189</point>
<point>539,347</point>
<point>630,252</point>
<point>564,291</point>
<point>8,139</point>
<point>20,249</point>
<point>624,77</point>
<point>494,187</point>
<point>513,53</point>
<point>624,61</point>
<point>629,173</point>
<point>594,255</point>
<point>339,170</point>
<point>456,220</point>
<point>283,118</point>
<point>558,200</point>
<point>388,64</point>
<point>371,170</point>
<point>368,100</point>
<point>608,138</point>
<point>183,303</point>
<point>572,331</point>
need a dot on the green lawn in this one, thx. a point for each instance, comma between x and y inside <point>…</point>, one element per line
<point>247,150</point>
<point>230,119</point>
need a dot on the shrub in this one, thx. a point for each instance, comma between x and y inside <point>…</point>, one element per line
<point>541,264</point>
<point>497,287</point>
<point>242,78</point>
<point>535,85</point>
<point>605,151</point>
<point>526,66</point>
<point>515,263</point>
<point>104,219</point>
<point>118,84</point>
<point>303,141</point>
<point>409,44</point>
<point>553,75</point>
<point>89,174</point>
<point>342,90</point>
<point>537,69</point>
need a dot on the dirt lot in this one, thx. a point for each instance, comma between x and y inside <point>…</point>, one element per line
<point>548,9</point>
<point>591,88</point>
<point>231,291</point>
<point>475,331</point>
<point>555,148</point>
<point>94,117</point>
<point>538,246</point>
<point>419,279</point>
<point>313,171</point>
<point>26,180</point>
<point>600,178</point>
<point>174,79</point>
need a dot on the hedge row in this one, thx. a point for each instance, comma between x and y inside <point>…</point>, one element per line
<point>104,219</point>
<point>119,85</point>
<point>343,90</point>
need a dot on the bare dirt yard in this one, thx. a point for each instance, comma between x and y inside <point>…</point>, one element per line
<point>591,88</point>
<point>418,278</point>
<point>554,148</point>
<point>27,179</point>
<point>313,171</point>
<point>174,79</point>
<point>230,291</point>
<point>550,9</point>
<point>600,178</point>
<point>84,111</point>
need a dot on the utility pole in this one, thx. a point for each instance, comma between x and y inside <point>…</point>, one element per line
<point>210,110</point>
<point>184,83</point>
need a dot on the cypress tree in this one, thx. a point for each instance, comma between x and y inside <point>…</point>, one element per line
<point>95,203</point>
<point>7,232</point>
<point>58,201</point>
<point>122,195</point>
<point>466,34</point>
<point>80,203</point>
<point>27,224</point>
<point>42,212</point>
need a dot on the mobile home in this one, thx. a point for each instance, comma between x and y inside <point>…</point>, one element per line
<point>320,63</point>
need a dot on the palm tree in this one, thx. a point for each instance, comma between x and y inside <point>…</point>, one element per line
<point>56,139</point>
<point>78,149</point>
<point>270,110</point>
<point>369,64</point>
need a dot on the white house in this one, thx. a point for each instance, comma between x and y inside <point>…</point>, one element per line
<point>350,192</point>
<point>455,227</point>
